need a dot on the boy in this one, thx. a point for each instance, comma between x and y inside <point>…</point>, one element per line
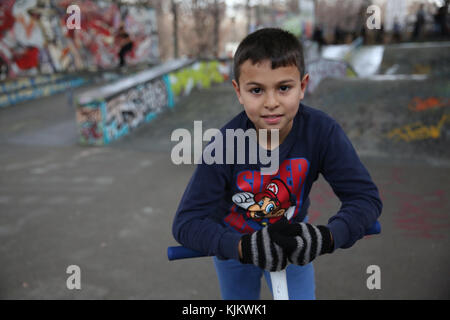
<point>254,223</point>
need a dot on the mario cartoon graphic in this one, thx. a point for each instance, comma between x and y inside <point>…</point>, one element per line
<point>268,206</point>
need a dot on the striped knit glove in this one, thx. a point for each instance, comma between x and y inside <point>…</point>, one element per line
<point>303,242</point>
<point>259,249</point>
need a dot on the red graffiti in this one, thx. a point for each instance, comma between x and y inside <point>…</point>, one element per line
<point>417,215</point>
<point>423,215</point>
<point>28,59</point>
<point>6,16</point>
<point>313,215</point>
<point>90,131</point>
<point>95,45</point>
<point>418,104</point>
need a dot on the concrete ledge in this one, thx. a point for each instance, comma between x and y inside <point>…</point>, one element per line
<point>16,91</point>
<point>112,111</point>
<point>133,80</point>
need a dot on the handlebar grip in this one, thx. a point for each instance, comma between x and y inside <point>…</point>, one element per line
<point>375,229</point>
<point>180,252</point>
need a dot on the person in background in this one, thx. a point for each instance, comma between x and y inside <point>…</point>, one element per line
<point>125,43</point>
<point>318,37</point>
<point>396,31</point>
<point>420,21</point>
<point>441,19</point>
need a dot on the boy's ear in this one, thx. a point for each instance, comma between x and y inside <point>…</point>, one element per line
<point>303,85</point>
<point>237,90</point>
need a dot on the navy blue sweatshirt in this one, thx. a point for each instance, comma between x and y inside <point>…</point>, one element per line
<point>210,218</point>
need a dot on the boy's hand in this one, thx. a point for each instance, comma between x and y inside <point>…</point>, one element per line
<point>302,242</point>
<point>258,248</point>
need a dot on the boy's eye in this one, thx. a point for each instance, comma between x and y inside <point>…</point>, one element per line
<point>256,90</point>
<point>284,88</point>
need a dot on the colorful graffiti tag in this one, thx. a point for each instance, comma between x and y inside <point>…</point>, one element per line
<point>89,119</point>
<point>419,131</point>
<point>419,104</point>
<point>134,107</point>
<point>34,38</point>
<point>201,74</point>
<point>324,68</point>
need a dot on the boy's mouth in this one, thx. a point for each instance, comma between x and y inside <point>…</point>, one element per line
<point>272,119</point>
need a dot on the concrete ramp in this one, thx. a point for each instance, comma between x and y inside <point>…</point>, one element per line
<point>398,105</point>
<point>431,59</point>
<point>365,60</point>
<point>398,117</point>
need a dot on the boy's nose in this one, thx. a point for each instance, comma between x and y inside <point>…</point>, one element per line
<point>271,102</point>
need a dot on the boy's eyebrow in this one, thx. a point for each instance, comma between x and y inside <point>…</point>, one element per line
<point>259,84</point>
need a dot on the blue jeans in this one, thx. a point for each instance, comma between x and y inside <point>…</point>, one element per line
<point>243,281</point>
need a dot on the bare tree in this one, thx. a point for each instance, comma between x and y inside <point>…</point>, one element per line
<point>216,19</point>
<point>175,29</point>
<point>200,28</point>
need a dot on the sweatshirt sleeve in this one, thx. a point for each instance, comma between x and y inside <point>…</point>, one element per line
<point>194,226</point>
<point>351,182</point>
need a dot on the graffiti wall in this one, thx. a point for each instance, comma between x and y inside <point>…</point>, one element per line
<point>437,122</point>
<point>23,89</point>
<point>134,107</point>
<point>34,38</point>
<point>201,75</point>
<point>324,68</point>
<point>103,121</point>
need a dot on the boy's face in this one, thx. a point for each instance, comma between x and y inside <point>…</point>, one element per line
<point>270,97</point>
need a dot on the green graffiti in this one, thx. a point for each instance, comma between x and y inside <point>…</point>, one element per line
<point>202,74</point>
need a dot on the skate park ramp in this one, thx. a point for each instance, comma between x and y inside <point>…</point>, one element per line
<point>382,122</point>
<point>429,58</point>
<point>364,60</point>
<point>402,110</point>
